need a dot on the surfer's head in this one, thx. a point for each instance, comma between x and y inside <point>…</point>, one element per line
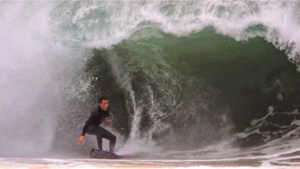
<point>103,102</point>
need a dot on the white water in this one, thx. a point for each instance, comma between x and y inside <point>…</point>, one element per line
<point>35,74</point>
<point>101,24</point>
<point>38,57</point>
<point>25,76</point>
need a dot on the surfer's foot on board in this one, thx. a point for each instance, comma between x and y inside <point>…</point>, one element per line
<point>111,147</point>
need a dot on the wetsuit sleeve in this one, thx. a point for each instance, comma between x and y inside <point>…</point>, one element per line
<point>86,124</point>
<point>107,114</point>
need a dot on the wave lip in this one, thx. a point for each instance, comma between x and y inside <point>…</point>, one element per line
<point>102,24</point>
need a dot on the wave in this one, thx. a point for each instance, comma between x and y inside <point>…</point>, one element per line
<point>48,45</point>
<point>102,24</point>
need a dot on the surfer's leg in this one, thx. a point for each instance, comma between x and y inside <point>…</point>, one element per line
<point>112,139</point>
<point>99,138</point>
<point>98,132</point>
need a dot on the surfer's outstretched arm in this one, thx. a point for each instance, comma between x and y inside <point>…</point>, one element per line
<point>86,124</point>
<point>81,139</point>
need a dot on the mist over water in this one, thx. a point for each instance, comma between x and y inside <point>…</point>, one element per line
<point>180,75</point>
<point>35,74</point>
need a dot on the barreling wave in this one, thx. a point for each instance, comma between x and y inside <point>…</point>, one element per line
<point>47,45</point>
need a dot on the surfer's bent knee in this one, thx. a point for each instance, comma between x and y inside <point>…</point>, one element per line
<point>114,138</point>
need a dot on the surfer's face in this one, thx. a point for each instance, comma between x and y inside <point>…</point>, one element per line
<point>104,105</point>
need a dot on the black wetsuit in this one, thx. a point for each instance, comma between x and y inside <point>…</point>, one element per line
<point>92,127</point>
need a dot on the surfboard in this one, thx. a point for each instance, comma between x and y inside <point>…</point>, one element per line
<point>103,154</point>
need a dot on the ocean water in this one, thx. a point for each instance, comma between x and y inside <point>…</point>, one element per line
<point>192,84</point>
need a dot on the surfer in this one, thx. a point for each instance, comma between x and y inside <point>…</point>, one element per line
<point>92,127</point>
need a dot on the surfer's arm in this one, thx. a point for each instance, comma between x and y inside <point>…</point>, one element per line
<point>86,124</point>
<point>109,121</point>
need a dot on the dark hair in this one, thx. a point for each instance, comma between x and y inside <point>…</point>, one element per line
<point>104,97</point>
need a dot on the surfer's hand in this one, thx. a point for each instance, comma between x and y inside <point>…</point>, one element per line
<point>81,139</point>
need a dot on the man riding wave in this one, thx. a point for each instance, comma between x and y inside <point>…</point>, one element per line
<point>92,127</point>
